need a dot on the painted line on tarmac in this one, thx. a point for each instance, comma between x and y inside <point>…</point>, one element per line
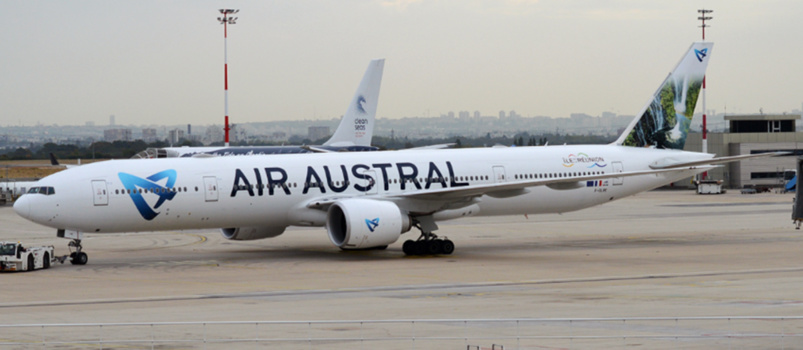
<point>389,289</point>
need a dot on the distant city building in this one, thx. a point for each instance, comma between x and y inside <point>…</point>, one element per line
<point>501,114</point>
<point>463,114</point>
<point>189,129</point>
<point>317,132</point>
<point>89,124</point>
<point>213,134</point>
<point>194,138</point>
<point>149,135</point>
<point>111,120</point>
<point>175,136</point>
<point>477,114</point>
<point>111,135</point>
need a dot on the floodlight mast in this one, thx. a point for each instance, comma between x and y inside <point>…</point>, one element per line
<point>704,15</point>
<point>225,21</point>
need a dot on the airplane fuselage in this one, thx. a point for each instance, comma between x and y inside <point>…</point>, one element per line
<point>279,190</point>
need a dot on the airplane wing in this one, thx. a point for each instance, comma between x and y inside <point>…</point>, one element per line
<point>518,187</point>
<point>503,189</point>
<point>317,149</point>
<point>671,163</point>
<point>512,188</point>
<point>438,146</point>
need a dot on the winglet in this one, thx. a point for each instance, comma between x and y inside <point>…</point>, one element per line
<point>664,122</point>
<point>357,125</point>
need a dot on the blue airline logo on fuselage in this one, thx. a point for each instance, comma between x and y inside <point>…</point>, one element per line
<point>700,54</point>
<point>372,224</point>
<point>137,186</point>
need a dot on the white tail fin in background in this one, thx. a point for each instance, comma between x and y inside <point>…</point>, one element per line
<point>664,122</point>
<point>357,126</point>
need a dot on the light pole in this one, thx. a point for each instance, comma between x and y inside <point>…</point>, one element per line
<point>704,15</point>
<point>225,21</point>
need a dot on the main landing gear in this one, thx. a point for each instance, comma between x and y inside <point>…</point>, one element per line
<point>77,257</point>
<point>428,243</point>
<point>425,245</point>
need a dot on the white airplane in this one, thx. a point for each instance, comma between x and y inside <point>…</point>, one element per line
<point>353,134</point>
<point>368,199</point>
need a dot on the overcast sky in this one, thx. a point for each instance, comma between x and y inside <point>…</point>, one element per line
<point>161,62</point>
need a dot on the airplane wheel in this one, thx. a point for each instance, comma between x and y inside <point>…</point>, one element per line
<point>408,247</point>
<point>447,247</point>
<point>420,248</point>
<point>46,261</point>
<point>80,259</point>
<point>434,247</point>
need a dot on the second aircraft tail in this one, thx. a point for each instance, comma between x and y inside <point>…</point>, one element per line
<point>357,125</point>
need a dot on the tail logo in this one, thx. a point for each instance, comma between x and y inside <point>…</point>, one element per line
<point>361,104</point>
<point>372,224</point>
<point>148,186</point>
<point>700,54</point>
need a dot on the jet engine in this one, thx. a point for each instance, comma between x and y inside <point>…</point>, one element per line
<point>365,223</point>
<point>250,233</point>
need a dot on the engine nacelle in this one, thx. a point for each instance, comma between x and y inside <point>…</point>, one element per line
<point>365,223</point>
<point>250,233</point>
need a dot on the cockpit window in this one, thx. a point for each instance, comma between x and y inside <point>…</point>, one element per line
<point>46,190</point>
<point>8,249</point>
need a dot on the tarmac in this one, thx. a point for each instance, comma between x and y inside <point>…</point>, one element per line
<point>657,254</point>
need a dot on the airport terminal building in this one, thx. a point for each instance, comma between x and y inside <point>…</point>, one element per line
<point>751,134</point>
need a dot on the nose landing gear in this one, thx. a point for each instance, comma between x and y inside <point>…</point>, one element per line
<point>77,256</point>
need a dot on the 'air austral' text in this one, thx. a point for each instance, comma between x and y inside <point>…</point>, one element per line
<point>338,178</point>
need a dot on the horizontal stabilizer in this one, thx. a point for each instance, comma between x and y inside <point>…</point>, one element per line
<point>669,163</point>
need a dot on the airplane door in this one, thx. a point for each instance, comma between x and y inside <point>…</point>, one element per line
<point>99,195</point>
<point>210,188</point>
<point>499,174</point>
<point>618,168</point>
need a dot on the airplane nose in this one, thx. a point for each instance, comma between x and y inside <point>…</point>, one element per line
<point>23,207</point>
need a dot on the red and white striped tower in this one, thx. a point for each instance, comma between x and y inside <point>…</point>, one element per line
<point>225,21</point>
<point>704,15</point>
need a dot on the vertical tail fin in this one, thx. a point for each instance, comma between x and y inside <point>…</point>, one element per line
<point>357,125</point>
<point>664,122</point>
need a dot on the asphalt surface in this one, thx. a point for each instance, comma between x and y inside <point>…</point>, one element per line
<point>658,254</point>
